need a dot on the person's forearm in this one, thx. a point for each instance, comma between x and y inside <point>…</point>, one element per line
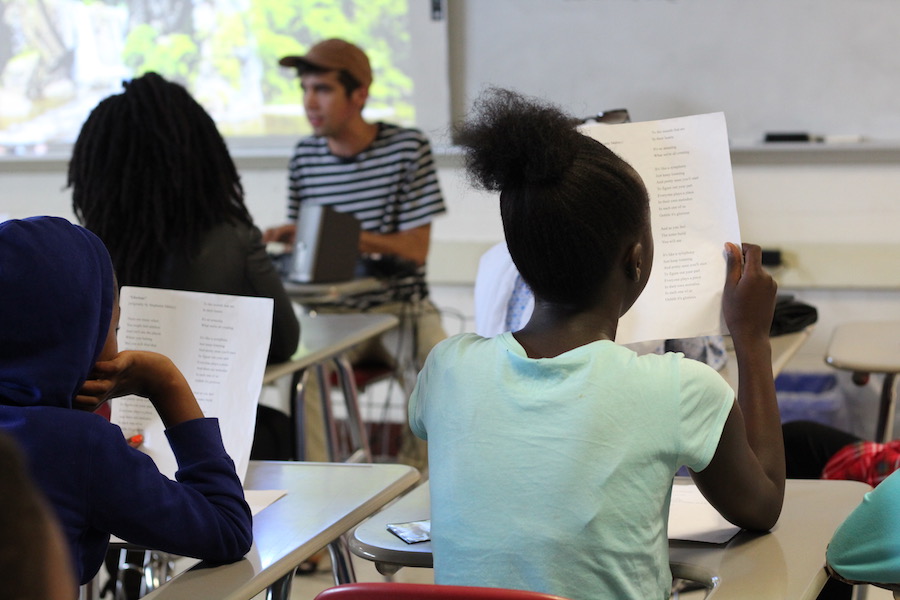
<point>176,405</point>
<point>171,394</point>
<point>411,244</point>
<point>759,406</point>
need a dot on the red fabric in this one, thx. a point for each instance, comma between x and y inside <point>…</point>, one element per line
<point>104,411</point>
<point>425,591</point>
<point>868,462</point>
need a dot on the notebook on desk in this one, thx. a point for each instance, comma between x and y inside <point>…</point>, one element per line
<point>693,519</point>
<point>326,249</point>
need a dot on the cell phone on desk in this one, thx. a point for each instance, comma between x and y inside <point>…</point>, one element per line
<point>412,532</point>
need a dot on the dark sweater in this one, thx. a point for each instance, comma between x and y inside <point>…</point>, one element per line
<point>101,486</point>
<point>232,260</point>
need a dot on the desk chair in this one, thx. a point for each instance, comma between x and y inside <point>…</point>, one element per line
<point>360,450</point>
<point>140,572</point>
<point>865,348</point>
<point>383,437</point>
<point>424,591</point>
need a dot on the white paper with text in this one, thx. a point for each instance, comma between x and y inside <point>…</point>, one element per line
<point>693,519</point>
<point>220,344</point>
<point>686,165</point>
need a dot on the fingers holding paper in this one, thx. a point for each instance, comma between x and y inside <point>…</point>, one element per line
<point>748,301</point>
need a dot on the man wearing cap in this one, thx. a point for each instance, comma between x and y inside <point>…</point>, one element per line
<point>382,174</point>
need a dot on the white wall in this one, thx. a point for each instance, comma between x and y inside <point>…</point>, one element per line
<point>833,212</point>
<point>847,213</point>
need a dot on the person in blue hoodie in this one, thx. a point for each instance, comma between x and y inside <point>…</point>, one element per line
<point>58,354</point>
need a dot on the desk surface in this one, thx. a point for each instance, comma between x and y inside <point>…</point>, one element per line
<point>323,501</point>
<point>786,563</point>
<point>784,347</point>
<point>327,293</point>
<point>323,336</point>
<point>866,346</point>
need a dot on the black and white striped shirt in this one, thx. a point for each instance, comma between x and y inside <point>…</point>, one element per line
<point>391,186</point>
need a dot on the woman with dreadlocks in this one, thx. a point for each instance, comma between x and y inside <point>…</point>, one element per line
<point>151,176</point>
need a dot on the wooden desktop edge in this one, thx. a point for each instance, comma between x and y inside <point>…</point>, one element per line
<point>306,357</point>
<point>375,504</point>
<point>371,541</point>
<point>267,475</point>
<point>325,293</point>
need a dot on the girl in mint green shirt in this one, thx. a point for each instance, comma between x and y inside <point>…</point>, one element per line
<point>552,449</point>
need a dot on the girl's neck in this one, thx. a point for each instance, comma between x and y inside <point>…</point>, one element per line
<point>554,329</point>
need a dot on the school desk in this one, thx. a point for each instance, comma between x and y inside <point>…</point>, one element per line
<point>324,339</point>
<point>787,563</point>
<point>311,294</point>
<point>323,501</point>
<point>784,347</point>
<point>866,347</point>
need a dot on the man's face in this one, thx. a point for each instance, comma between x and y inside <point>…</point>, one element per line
<point>328,108</point>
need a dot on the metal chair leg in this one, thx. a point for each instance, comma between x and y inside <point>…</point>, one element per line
<point>281,589</point>
<point>159,567</point>
<point>884,431</point>
<point>128,566</point>
<point>298,406</point>
<point>341,562</point>
<point>331,436</point>
<point>358,434</point>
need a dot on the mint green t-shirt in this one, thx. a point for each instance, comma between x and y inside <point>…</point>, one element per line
<point>555,474</point>
<point>866,547</point>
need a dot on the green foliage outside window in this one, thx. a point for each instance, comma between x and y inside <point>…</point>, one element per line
<point>255,38</point>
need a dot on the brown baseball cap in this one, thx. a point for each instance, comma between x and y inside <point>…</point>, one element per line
<point>334,55</point>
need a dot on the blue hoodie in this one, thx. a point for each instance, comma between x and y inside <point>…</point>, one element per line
<point>56,302</point>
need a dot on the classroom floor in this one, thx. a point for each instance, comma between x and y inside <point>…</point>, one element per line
<point>306,587</point>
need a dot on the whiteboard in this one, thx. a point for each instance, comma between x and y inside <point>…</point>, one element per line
<point>826,67</point>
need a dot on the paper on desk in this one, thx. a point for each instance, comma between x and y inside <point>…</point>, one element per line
<point>260,499</point>
<point>692,518</point>
<point>220,344</point>
<point>686,166</point>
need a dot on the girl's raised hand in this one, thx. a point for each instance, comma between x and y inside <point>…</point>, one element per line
<point>748,302</point>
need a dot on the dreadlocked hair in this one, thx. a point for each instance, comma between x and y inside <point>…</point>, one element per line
<point>150,174</point>
<point>569,205</point>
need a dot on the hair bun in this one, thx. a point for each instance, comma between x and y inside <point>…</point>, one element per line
<point>511,140</point>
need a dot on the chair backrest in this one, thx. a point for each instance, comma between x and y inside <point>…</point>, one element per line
<point>424,591</point>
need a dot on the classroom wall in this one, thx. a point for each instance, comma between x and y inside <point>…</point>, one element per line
<point>825,66</point>
<point>836,225</point>
<point>832,210</point>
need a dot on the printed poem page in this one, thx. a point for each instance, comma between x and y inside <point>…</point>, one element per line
<point>219,343</point>
<point>686,166</point>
